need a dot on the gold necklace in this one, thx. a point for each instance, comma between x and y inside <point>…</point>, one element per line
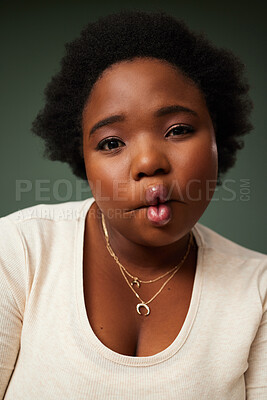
<point>135,279</point>
<point>138,281</point>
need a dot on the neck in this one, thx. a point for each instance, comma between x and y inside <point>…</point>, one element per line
<point>143,260</point>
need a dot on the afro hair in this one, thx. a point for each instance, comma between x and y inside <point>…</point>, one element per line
<point>128,35</point>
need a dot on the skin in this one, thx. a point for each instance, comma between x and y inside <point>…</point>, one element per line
<point>174,147</point>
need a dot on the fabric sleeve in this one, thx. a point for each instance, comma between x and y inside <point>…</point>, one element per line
<point>12,298</point>
<point>256,374</point>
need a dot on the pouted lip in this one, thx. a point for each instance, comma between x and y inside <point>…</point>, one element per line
<point>149,205</point>
<point>154,195</point>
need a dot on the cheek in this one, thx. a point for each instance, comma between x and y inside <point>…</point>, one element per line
<point>204,161</point>
<point>103,177</point>
<point>197,176</point>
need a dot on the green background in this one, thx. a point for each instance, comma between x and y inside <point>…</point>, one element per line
<point>32,43</point>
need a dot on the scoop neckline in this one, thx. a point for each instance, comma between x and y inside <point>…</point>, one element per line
<point>87,330</point>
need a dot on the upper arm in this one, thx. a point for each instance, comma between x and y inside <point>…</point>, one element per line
<point>256,374</point>
<point>12,298</point>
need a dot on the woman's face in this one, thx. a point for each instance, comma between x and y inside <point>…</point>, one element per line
<point>149,150</point>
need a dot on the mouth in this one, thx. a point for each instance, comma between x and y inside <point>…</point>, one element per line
<point>157,203</point>
<point>159,214</point>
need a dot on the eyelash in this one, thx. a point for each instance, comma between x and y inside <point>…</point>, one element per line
<point>101,144</point>
<point>186,129</point>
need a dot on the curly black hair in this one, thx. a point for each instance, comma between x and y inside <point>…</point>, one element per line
<point>217,72</point>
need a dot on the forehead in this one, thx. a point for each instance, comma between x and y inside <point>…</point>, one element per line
<point>141,85</point>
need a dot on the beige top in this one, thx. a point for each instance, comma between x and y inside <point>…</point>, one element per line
<point>48,351</point>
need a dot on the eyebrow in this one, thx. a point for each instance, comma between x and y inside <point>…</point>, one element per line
<point>174,109</point>
<point>107,121</point>
<point>159,113</point>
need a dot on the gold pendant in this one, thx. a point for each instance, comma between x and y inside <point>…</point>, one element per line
<point>145,306</point>
<point>136,282</point>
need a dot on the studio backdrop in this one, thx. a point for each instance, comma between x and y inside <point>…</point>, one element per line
<point>33,35</point>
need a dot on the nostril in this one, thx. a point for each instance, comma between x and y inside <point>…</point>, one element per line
<point>159,171</point>
<point>141,175</point>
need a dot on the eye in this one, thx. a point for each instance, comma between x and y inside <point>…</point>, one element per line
<point>109,144</point>
<point>179,130</point>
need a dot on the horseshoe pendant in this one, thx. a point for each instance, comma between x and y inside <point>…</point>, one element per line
<point>145,306</point>
<point>135,282</point>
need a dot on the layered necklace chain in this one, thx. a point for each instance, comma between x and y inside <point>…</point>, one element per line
<point>135,280</point>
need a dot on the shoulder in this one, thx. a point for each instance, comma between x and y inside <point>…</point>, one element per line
<point>44,225</point>
<point>28,236</point>
<point>213,240</point>
<point>49,212</point>
<point>234,266</point>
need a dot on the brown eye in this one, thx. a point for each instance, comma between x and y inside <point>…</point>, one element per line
<point>110,144</point>
<point>179,130</point>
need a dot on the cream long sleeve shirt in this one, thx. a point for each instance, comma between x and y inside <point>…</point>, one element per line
<point>48,350</point>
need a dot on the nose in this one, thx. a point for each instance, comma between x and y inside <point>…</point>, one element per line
<point>149,160</point>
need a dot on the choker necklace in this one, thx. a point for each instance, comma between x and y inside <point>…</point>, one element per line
<point>135,280</point>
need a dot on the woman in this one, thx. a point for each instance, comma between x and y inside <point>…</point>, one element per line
<point>126,296</point>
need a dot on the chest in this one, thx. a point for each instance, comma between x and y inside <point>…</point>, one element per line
<point>111,307</point>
